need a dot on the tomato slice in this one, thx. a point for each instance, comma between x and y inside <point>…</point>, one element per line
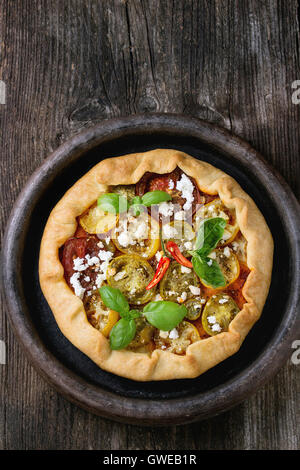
<point>187,334</point>
<point>96,221</point>
<point>79,248</point>
<point>216,208</point>
<point>73,248</point>
<point>131,274</point>
<point>228,264</point>
<point>100,317</point>
<point>218,313</point>
<point>178,283</point>
<point>143,337</point>
<point>137,235</point>
<point>194,309</point>
<point>167,182</point>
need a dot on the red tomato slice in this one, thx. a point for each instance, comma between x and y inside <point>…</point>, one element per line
<point>78,248</point>
<point>156,182</point>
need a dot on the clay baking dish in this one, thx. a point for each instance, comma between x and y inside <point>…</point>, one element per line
<point>267,346</point>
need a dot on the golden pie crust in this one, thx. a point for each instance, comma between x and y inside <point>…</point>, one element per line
<point>69,310</point>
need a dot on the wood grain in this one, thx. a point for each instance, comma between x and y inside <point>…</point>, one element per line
<point>68,64</point>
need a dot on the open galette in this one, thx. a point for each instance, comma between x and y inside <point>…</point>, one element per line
<point>156,265</point>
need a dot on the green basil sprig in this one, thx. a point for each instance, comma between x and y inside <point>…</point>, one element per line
<point>209,234</point>
<point>164,315</point>
<point>115,203</point>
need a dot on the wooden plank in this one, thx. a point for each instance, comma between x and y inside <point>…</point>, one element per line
<point>69,64</point>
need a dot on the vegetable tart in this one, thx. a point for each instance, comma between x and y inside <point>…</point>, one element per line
<point>156,265</point>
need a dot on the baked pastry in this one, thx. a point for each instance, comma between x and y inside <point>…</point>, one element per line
<point>156,265</point>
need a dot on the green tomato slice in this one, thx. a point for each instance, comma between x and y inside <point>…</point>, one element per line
<point>143,336</point>
<point>131,274</point>
<point>175,284</point>
<point>218,313</point>
<point>194,309</point>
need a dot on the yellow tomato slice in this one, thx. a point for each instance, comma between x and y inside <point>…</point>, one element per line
<point>187,334</point>
<point>218,312</point>
<point>95,220</point>
<point>112,319</point>
<point>137,235</point>
<point>99,315</point>
<point>229,265</point>
<point>216,208</point>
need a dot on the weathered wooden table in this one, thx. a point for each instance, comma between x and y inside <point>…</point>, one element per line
<point>68,64</point>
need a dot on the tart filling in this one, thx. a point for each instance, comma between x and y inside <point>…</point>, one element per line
<point>156,265</point>
<point>121,249</point>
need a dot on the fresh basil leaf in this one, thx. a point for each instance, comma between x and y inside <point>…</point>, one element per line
<point>114,299</point>
<point>164,315</point>
<point>210,273</point>
<point>209,234</point>
<point>112,202</point>
<point>155,197</point>
<point>122,333</point>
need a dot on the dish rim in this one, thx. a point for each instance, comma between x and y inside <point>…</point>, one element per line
<point>107,403</point>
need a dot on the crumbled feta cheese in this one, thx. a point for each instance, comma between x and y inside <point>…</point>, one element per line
<point>92,261</point>
<point>223,301</point>
<point>196,306</point>
<point>171,184</point>
<point>195,290</point>
<point>158,297</point>
<point>79,265</point>
<point>141,230</point>
<point>210,262</point>
<point>78,289</point>
<point>158,256</point>
<point>166,209</point>
<point>119,275</point>
<point>100,245</point>
<point>216,327</point>
<point>211,319</point>
<point>226,251</point>
<point>107,240</point>
<point>186,187</point>
<point>100,279</point>
<point>124,239</point>
<point>173,334</point>
<point>179,215</point>
<point>169,231</point>
<point>235,246</point>
<point>185,270</point>
<point>87,278</point>
<point>213,255</point>
<point>182,298</point>
<point>105,255</point>
<point>188,245</point>
<point>163,334</point>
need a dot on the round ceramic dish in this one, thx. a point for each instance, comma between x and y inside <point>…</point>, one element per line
<point>265,349</point>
